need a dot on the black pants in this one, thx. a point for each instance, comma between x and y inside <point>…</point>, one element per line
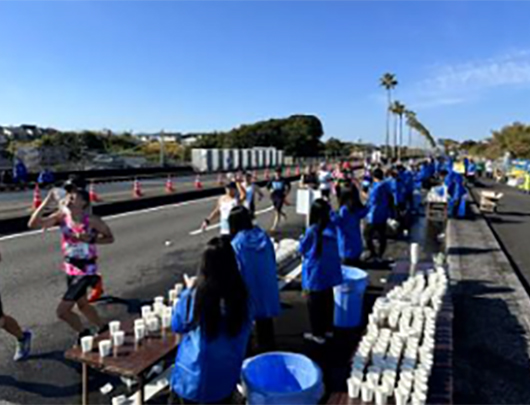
<point>265,334</point>
<point>320,306</point>
<point>375,232</point>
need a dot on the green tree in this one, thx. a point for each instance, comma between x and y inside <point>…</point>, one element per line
<point>398,110</point>
<point>389,82</point>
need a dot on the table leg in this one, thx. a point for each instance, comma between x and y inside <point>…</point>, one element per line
<point>84,384</point>
<point>140,391</point>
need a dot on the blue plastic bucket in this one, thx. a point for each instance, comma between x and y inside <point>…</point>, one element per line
<point>349,297</point>
<point>282,378</point>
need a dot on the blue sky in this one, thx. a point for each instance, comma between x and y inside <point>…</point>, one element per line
<point>464,67</point>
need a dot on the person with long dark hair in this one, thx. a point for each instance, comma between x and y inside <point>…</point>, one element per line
<point>348,220</point>
<point>321,270</point>
<point>257,263</point>
<point>213,316</point>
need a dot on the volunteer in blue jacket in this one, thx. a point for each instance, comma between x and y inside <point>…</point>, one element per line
<point>348,221</point>
<point>257,263</point>
<point>380,209</point>
<point>321,270</point>
<point>213,316</point>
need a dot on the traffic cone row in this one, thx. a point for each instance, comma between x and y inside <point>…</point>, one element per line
<point>137,189</point>
<point>169,185</point>
<point>198,183</point>
<point>37,200</point>
<point>93,196</point>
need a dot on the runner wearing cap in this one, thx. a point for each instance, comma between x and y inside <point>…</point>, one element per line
<point>279,188</point>
<point>234,195</point>
<point>81,232</point>
<point>11,326</point>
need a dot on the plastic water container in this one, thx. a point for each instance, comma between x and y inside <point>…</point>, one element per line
<point>349,297</point>
<point>282,378</point>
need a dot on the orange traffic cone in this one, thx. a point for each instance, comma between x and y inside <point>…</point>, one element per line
<point>169,185</point>
<point>288,171</point>
<point>137,189</point>
<point>37,200</point>
<point>220,181</point>
<point>198,183</point>
<point>297,171</point>
<point>267,175</point>
<point>94,197</point>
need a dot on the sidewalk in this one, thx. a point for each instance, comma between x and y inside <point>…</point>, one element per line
<point>492,318</point>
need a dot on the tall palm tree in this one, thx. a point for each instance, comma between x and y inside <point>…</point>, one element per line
<point>398,110</point>
<point>410,115</point>
<point>389,82</point>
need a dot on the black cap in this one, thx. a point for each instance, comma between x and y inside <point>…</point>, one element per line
<point>232,185</point>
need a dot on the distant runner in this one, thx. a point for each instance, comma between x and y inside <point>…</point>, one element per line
<point>11,326</point>
<point>251,190</point>
<point>279,189</point>
<point>80,231</point>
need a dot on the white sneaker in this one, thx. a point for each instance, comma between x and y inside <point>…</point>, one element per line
<point>315,339</point>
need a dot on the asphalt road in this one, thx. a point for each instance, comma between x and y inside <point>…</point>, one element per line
<point>511,224</point>
<point>138,266</point>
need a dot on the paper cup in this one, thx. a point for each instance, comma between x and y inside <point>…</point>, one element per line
<point>172,295</point>
<point>146,311</point>
<point>367,392</point>
<point>419,398</point>
<point>118,338</point>
<point>104,348</point>
<point>166,321</point>
<point>354,388</point>
<point>402,396</point>
<point>87,342</point>
<point>380,395</point>
<point>114,327</point>
<point>414,253</point>
<point>158,308</point>
<point>159,300</point>
<point>152,324</point>
<point>139,322</point>
<point>139,332</point>
<point>119,400</point>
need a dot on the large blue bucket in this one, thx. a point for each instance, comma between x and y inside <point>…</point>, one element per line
<point>349,297</point>
<point>282,378</point>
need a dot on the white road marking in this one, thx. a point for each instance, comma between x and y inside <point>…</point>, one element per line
<point>112,217</point>
<point>215,226</point>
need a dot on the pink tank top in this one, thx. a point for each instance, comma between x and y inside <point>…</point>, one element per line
<point>79,257</point>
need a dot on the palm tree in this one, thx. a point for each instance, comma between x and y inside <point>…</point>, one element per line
<point>389,82</point>
<point>411,115</point>
<point>398,110</point>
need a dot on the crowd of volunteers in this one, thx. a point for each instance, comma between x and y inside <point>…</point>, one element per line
<point>236,286</point>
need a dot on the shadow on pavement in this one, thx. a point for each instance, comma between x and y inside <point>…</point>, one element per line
<point>487,367</point>
<point>462,251</point>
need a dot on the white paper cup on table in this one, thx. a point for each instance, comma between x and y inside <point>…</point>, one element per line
<point>172,295</point>
<point>421,387</point>
<point>179,287</point>
<point>118,338</point>
<point>166,320</point>
<point>87,343</point>
<point>381,395</point>
<point>159,300</point>
<point>105,348</point>
<point>139,322</point>
<point>146,311</point>
<point>419,398</point>
<point>354,387</point>
<point>158,308</point>
<point>402,396</point>
<point>114,327</point>
<point>367,392</point>
<point>152,324</point>
<point>139,332</point>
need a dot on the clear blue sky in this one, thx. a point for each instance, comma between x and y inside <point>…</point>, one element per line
<point>464,67</point>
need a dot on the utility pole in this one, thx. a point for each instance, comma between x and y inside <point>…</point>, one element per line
<point>162,149</point>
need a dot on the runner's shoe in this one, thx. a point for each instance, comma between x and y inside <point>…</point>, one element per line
<point>23,347</point>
